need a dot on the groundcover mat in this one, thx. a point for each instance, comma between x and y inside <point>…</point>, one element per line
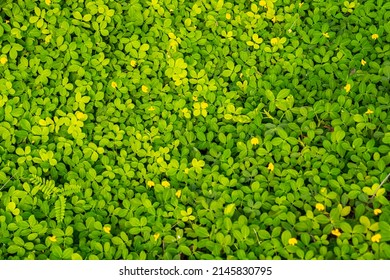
<point>202,130</point>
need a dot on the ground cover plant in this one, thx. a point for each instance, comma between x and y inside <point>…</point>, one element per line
<point>208,129</point>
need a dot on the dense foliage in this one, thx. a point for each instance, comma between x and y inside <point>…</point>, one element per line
<point>209,129</point>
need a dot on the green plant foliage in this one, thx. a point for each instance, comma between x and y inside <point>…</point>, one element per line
<point>215,129</point>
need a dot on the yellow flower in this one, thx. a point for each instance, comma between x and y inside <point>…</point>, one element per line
<point>204,105</point>
<point>3,60</point>
<point>114,85</point>
<point>274,41</point>
<point>144,88</point>
<point>274,19</point>
<point>369,112</point>
<point>53,238</point>
<point>377,211</point>
<point>292,241</point>
<point>263,3</point>
<point>363,62</point>
<point>374,36</point>
<point>320,207</point>
<point>271,166</point>
<point>254,141</point>
<point>133,63</point>
<point>336,232</point>
<point>228,16</point>
<point>376,238</point>
<point>150,184</point>
<point>107,229</point>
<point>178,194</point>
<point>156,236</point>
<point>347,87</point>
<point>195,98</point>
<point>326,35</point>
<point>165,184</point>
<point>81,116</point>
<point>48,2</point>
<point>151,108</point>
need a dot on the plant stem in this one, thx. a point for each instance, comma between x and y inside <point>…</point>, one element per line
<point>377,189</point>
<point>6,182</point>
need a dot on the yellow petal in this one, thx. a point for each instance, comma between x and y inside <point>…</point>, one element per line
<point>363,62</point>
<point>374,36</point>
<point>106,229</point>
<point>114,85</point>
<point>53,238</point>
<point>178,194</point>
<point>292,241</point>
<point>133,63</point>
<point>320,207</point>
<point>336,232</point>
<point>377,212</point>
<point>228,16</point>
<point>271,166</point>
<point>376,238</point>
<point>274,41</point>
<point>347,87</point>
<point>80,116</point>
<point>165,184</point>
<point>156,236</point>
<point>145,89</point>
<point>3,60</point>
<point>150,184</point>
<point>254,141</point>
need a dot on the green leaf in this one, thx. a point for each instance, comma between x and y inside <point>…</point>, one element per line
<point>345,227</point>
<point>301,226</point>
<point>281,104</point>
<point>185,250</point>
<point>384,228</point>
<point>25,124</point>
<point>269,95</point>
<point>322,219</point>
<point>201,231</point>
<point>77,257</point>
<point>286,235</point>
<point>386,71</point>
<point>386,138</point>
<point>263,234</point>
<point>116,240</point>
<point>283,94</point>
<point>358,118</point>
<point>229,210</point>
